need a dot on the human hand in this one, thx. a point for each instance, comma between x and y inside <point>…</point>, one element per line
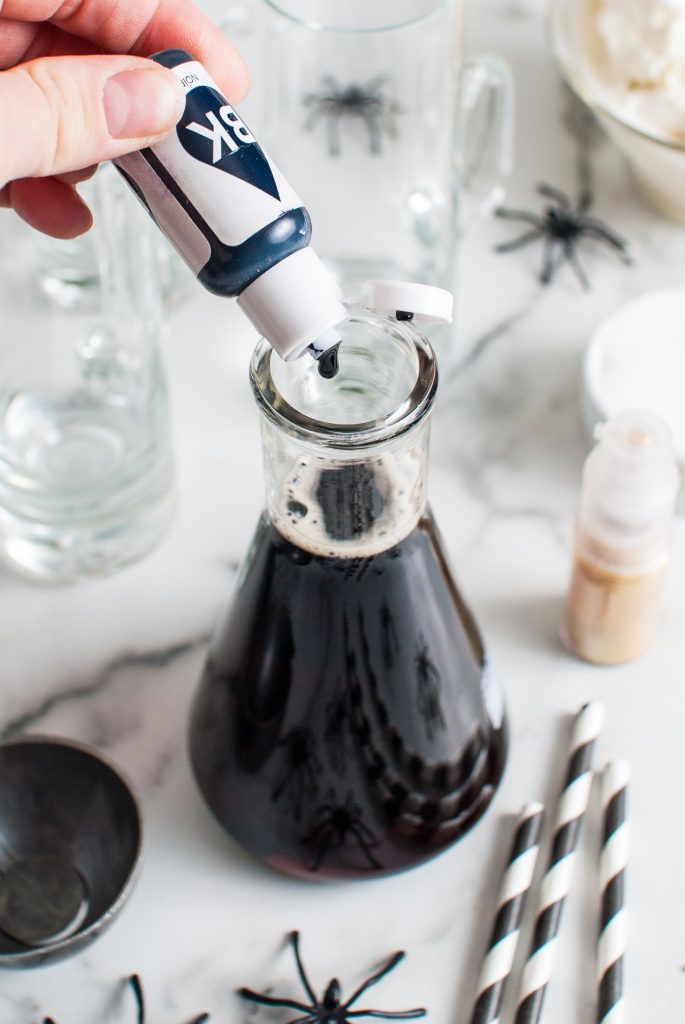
<point>66,102</point>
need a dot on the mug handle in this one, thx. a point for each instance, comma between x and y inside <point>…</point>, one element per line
<point>485,136</point>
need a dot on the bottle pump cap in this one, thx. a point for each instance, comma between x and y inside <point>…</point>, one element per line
<point>630,483</point>
<point>294,303</point>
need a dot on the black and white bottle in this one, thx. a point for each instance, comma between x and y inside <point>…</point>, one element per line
<point>235,220</point>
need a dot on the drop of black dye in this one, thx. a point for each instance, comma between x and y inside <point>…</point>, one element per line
<point>328,362</point>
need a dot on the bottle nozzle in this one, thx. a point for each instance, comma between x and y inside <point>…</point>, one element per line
<point>630,483</point>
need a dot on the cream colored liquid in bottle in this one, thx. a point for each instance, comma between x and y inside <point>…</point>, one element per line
<point>623,530</point>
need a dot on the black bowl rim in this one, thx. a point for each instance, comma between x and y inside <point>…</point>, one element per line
<point>42,954</point>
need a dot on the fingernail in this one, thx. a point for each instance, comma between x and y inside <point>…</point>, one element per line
<point>142,102</point>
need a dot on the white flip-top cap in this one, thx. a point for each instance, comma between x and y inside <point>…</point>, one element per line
<point>294,303</point>
<point>423,301</point>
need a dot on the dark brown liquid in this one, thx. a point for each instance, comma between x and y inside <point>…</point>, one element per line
<point>340,729</point>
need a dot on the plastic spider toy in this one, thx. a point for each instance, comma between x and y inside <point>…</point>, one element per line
<point>428,686</point>
<point>335,734</point>
<point>365,102</point>
<point>136,987</point>
<point>329,1009</point>
<point>340,826</point>
<point>298,779</point>
<point>562,226</point>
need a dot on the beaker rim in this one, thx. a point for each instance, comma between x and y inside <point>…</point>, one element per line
<point>413,407</point>
<point>324,25</point>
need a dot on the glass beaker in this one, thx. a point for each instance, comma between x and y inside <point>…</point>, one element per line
<point>86,467</point>
<point>347,723</point>
<point>374,115</point>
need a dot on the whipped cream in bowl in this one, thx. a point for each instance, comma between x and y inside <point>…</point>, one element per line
<point>626,60</point>
<point>643,61</point>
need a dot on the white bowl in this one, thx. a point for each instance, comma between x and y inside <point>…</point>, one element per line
<point>656,158</point>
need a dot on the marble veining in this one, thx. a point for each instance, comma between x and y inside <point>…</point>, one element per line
<point>161,658</point>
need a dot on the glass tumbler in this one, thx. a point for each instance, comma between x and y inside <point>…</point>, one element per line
<point>86,469</point>
<point>381,124</point>
<point>348,723</point>
<point>68,270</point>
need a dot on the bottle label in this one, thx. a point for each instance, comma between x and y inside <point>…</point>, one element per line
<point>211,131</point>
<point>208,182</point>
<point>216,162</point>
<point>169,214</point>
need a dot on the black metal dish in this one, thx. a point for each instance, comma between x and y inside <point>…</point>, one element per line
<point>70,846</point>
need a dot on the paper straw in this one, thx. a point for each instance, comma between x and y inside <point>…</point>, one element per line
<point>556,882</point>
<point>611,945</point>
<point>514,888</point>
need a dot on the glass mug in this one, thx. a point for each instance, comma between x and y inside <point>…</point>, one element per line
<point>375,117</point>
<point>348,723</point>
<point>68,270</point>
<point>86,466</point>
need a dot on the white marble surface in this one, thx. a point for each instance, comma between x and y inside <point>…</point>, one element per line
<point>114,662</point>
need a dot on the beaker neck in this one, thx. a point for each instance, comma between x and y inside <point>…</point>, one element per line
<point>345,458</point>
<point>337,504</point>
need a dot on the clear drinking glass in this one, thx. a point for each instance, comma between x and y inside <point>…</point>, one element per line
<point>348,723</point>
<point>86,469</point>
<point>375,117</point>
<point>68,270</point>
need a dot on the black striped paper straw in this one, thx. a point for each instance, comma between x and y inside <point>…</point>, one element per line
<point>514,888</point>
<point>556,882</point>
<point>611,946</point>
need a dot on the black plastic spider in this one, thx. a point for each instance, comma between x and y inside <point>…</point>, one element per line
<point>338,825</point>
<point>428,686</point>
<point>390,641</point>
<point>330,1010</point>
<point>335,733</point>
<point>562,226</point>
<point>365,102</point>
<point>300,768</point>
<point>136,987</point>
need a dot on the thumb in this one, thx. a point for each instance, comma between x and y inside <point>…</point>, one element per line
<point>62,113</point>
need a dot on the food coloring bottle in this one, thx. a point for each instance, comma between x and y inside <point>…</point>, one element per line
<point>235,221</point>
<point>622,544</point>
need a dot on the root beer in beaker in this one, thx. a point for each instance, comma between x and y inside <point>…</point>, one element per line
<point>347,723</point>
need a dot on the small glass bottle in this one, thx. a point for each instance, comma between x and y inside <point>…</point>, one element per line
<point>348,723</point>
<point>630,484</point>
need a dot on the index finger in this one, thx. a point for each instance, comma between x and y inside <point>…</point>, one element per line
<point>141,27</point>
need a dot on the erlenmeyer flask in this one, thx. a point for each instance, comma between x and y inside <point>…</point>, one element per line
<point>347,723</point>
